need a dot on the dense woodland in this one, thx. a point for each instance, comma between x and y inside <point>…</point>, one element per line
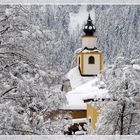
<point>36,51</point>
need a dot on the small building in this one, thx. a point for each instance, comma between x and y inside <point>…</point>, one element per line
<point>89,58</point>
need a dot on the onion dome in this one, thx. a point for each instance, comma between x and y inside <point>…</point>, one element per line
<point>89,28</point>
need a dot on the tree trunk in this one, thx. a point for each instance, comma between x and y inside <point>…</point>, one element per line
<point>122,118</point>
<point>131,119</point>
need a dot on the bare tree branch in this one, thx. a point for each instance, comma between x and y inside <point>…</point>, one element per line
<point>8,91</point>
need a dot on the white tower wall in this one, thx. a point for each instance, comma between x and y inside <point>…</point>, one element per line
<point>92,69</point>
<point>89,42</point>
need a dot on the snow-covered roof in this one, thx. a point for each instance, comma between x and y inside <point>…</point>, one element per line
<point>78,50</point>
<point>76,79</point>
<point>95,50</point>
<point>83,88</point>
<point>71,107</point>
<point>86,50</point>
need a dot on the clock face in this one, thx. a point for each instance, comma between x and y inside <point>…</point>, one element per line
<point>86,27</point>
<point>94,27</point>
<point>90,27</point>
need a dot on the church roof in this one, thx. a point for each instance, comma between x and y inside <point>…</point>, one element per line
<point>86,49</point>
<point>83,88</point>
<point>90,49</point>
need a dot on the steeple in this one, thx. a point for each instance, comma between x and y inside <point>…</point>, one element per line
<point>89,28</point>
<point>89,58</point>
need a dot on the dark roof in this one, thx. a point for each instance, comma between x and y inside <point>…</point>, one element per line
<point>89,28</point>
<point>90,49</point>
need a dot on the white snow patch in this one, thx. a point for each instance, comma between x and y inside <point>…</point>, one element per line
<point>81,120</point>
<point>80,133</point>
<point>25,33</point>
<point>76,79</point>
<point>74,106</point>
<point>136,67</point>
<point>91,50</point>
<point>78,50</point>
<point>42,73</point>
<point>88,90</point>
<point>100,94</point>
<point>8,11</point>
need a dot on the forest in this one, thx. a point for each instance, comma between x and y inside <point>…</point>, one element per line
<point>36,51</point>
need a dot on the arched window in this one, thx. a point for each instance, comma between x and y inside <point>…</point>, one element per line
<point>91,60</point>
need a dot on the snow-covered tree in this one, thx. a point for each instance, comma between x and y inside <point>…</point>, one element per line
<point>122,115</point>
<point>26,101</point>
<point>29,92</point>
<point>36,50</point>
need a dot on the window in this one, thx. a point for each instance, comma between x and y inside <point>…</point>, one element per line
<point>91,60</point>
<point>86,27</point>
<point>89,121</point>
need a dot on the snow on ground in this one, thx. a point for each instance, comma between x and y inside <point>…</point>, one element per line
<point>79,18</point>
<point>81,120</point>
<point>91,88</point>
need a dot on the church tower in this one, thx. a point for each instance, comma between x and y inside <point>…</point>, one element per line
<point>89,58</point>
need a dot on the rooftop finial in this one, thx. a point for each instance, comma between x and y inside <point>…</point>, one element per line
<point>89,18</point>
